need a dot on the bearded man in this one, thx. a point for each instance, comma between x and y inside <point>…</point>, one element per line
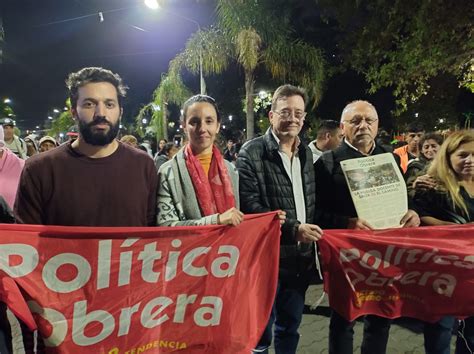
<point>95,180</point>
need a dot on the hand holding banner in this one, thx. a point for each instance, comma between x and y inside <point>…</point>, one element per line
<point>115,290</point>
<point>425,272</point>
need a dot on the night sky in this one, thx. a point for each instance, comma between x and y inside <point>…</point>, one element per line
<point>45,40</point>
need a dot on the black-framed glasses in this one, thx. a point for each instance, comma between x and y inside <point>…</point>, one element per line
<point>287,114</point>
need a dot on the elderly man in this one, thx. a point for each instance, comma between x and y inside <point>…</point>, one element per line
<point>359,122</point>
<point>276,173</point>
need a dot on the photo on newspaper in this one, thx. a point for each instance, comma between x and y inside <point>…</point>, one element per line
<point>377,189</point>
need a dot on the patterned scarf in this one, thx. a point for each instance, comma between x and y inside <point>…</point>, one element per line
<point>213,192</point>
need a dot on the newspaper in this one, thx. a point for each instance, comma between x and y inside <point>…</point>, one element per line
<point>378,189</point>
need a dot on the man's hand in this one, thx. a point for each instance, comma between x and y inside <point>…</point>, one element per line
<point>308,233</point>
<point>358,224</point>
<point>410,219</point>
<point>424,182</point>
<point>281,215</point>
<point>233,216</point>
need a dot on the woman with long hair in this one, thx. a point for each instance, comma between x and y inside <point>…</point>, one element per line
<point>450,202</point>
<point>197,186</point>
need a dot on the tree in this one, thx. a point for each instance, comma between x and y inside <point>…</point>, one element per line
<point>6,111</point>
<point>269,41</point>
<point>208,48</point>
<point>170,90</point>
<point>244,36</point>
<point>62,123</point>
<point>403,44</point>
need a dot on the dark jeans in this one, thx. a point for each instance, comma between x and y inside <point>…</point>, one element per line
<point>438,336</point>
<point>286,316</point>
<point>341,335</point>
<point>465,341</point>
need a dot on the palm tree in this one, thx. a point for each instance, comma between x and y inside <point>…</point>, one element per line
<point>170,90</point>
<point>252,34</point>
<point>267,40</point>
<point>207,47</point>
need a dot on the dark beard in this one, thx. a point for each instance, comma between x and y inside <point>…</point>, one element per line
<point>98,138</point>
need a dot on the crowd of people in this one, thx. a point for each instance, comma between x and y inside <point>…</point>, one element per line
<point>111,182</point>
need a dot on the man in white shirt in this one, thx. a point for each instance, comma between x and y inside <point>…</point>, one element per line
<point>328,137</point>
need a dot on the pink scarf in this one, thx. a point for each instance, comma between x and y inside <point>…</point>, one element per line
<point>213,192</point>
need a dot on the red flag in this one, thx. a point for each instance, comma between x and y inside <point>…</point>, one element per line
<point>424,272</point>
<point>112,290</point>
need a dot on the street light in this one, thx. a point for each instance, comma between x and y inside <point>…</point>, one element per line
<point>7,101</point>
<point>154,5</point>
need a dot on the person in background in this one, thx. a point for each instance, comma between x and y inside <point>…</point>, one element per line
<point>10,171</point>
<point>328,137</point>
<point>145,146</point>
<point>385,140</point>
<point>411,150</point>
<point>197,186</point>
<point>31,145</point>
<point>47,143</point>
<point>229,150</point>
<point>166,153</point>
<point>161,144</point>
<point>450,202</point>
<point>130,140</point>
<point>14,143</point>
<point>429,146</point>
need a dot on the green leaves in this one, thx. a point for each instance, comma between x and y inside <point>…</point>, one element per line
<point>403,44</point>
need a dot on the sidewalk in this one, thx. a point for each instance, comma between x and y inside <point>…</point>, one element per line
<point>314,331</point>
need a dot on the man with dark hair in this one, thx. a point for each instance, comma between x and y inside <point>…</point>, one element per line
<point>95,180</point>
<point>94,169</point>
<point>410,151</point>
<point>359,122</point>
<point>328,137</point>
<point>276,173</point>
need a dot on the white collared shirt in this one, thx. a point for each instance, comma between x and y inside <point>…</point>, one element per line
<point>293,170</point>
<point>316,152</point>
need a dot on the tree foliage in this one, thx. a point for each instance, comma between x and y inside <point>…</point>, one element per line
<point>6,111</point>
<point>61,124</point>
<point>403,44</point>
<point>171,90</point>
<point>269,41</point>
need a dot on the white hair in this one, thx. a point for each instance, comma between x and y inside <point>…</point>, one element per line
<point>348,107</point>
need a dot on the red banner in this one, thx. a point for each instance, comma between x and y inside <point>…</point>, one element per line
<point>130,290</point>
<point>424,272</point>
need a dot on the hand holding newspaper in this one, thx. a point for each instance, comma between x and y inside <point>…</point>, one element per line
<point>377,189</point>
